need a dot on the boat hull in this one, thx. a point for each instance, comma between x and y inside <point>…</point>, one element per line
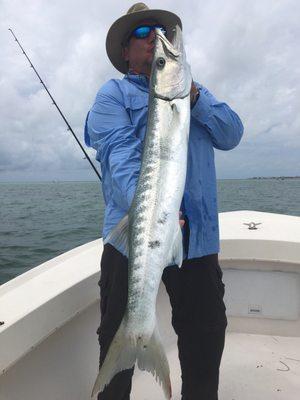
<point>49,347</point>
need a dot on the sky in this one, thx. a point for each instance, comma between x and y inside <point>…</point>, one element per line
<point>245,52</point>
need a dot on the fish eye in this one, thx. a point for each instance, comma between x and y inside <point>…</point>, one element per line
<point>160,62</point>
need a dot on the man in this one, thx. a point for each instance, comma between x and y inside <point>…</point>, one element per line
<point>116,127</point>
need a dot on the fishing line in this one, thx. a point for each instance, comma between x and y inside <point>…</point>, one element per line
<point>55,104</point>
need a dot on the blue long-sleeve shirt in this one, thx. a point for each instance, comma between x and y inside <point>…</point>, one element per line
<point>116,127</point>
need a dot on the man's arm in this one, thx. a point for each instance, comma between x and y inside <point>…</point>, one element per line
<point>110,133</point>
<point>222,123</point>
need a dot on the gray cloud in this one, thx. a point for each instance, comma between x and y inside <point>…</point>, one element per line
<point>244,52</point>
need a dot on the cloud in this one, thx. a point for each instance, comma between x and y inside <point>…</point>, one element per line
<point>244,53</point>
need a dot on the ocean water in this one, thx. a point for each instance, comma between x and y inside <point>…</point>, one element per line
<point>39,221</point>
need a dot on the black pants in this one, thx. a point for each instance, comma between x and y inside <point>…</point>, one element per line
<point>196,294</point>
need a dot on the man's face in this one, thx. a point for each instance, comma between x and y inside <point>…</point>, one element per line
<point>139,52</point>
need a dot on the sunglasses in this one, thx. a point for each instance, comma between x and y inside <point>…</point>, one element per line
<point>143,31</point>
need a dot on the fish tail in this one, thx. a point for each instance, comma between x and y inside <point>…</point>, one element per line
<point>121,355</point>
<point>125,351</point>
<point>151,357</point>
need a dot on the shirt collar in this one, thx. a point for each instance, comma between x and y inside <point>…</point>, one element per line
<point>140,80</point>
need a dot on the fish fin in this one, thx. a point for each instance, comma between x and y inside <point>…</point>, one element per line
<point>152,358</point>
<point>121,355</point>
<point>118,237</point>
<point>176,256</point>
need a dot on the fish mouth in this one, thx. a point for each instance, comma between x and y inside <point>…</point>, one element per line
<point>173,47</point>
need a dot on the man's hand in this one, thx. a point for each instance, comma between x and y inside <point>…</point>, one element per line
<point>194,94</point>
<point>181,221</point>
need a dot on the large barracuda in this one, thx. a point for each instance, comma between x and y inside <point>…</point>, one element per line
<point>151,235</point>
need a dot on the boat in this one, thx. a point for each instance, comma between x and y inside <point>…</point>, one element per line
<point>50,314</point>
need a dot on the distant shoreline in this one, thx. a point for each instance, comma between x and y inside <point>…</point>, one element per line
<point>96,181</point>
<point>275,177</point>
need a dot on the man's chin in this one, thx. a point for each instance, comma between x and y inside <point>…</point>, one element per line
<point>150,60</point>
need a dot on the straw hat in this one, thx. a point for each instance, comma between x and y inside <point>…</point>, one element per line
<point>123,26</point>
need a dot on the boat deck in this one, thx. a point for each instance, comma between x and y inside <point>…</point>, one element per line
<point>254,367</point>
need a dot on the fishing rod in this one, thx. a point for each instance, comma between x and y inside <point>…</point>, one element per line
<point>54,103</point>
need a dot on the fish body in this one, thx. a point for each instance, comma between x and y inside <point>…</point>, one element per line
<point>151,235</point>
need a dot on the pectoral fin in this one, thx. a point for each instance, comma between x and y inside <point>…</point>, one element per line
<point>118,237</point>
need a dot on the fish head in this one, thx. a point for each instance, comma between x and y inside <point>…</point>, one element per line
<point>170,74</point>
